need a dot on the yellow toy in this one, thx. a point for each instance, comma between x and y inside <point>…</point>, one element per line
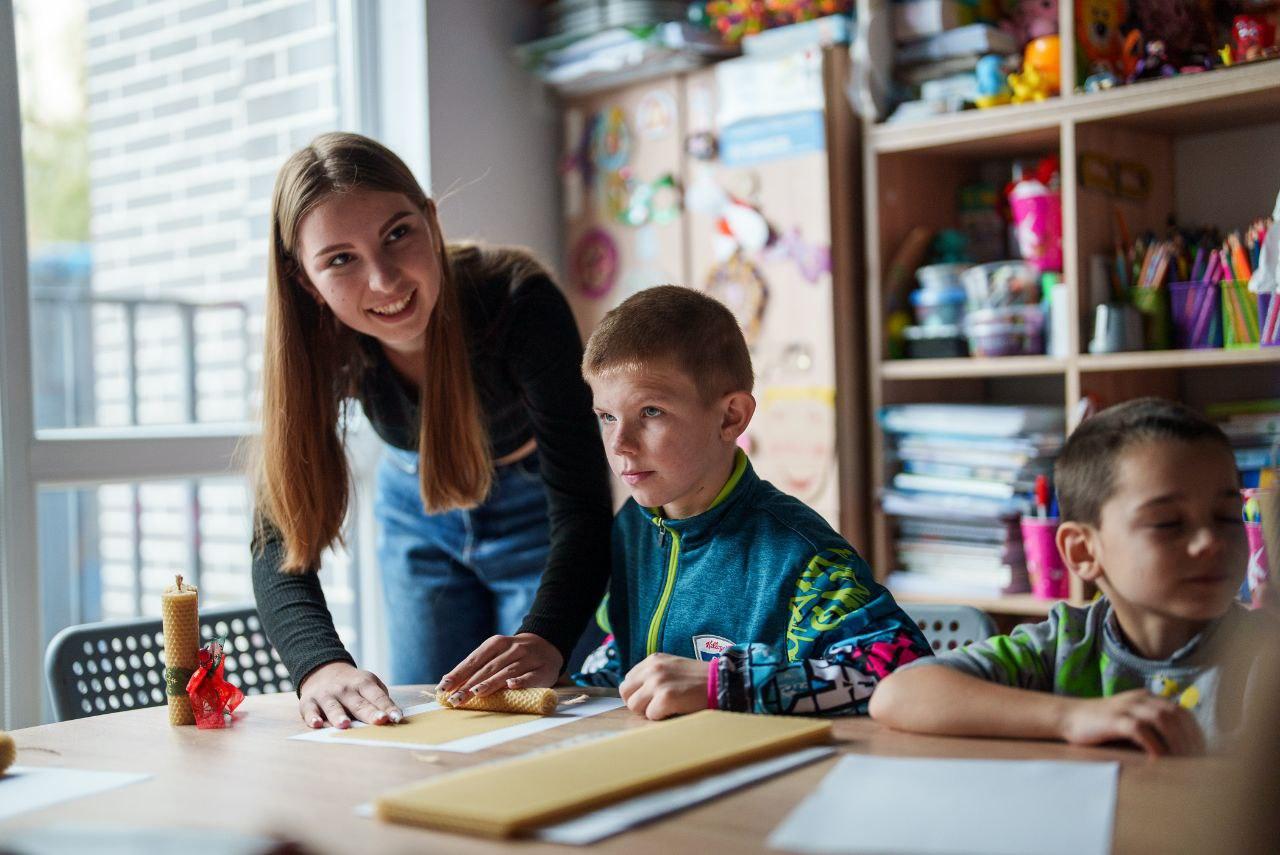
<point>1041,74</point>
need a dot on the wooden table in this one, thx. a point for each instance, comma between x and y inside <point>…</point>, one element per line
<point>251,778</point>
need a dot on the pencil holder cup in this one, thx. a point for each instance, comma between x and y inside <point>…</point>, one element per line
<point>1197,317</point>
<point>1049,580</point>
<point>1239,316</point>
<point>1269,320</point>
<point>1153,303</point>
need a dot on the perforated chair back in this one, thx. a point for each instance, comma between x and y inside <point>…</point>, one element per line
<point>97,668</point>
<point>947,627</point>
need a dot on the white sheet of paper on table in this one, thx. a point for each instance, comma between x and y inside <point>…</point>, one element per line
<point>469,744</point>
<point>616,818</point>
<point>27,788</point>
<point>939,807</point>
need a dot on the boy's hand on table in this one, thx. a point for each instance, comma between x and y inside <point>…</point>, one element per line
<point>1156,725</point>
<point>663,685</point>
<point>334,693</point>
<point>504,662</point>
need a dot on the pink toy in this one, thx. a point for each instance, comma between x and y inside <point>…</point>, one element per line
<point>1031,19</point>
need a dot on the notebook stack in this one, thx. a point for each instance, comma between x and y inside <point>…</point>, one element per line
<point>960,477</point>
<point>1254,430</point>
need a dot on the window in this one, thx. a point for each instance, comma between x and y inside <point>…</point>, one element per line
<point>150,138</point>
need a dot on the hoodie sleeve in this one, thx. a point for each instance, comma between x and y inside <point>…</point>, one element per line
<point>601,668</point>
<point>846,633</point>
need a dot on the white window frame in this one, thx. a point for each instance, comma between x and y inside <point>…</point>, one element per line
<point>383,60</point>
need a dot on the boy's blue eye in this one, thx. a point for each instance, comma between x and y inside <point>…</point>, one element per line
<point>605,417</point>
<point>398,232</point>
<point>650,412</point>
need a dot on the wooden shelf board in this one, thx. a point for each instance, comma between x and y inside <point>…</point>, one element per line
<point>1176,359</point>
<point>942,369</point>
<point>1012,129</point>
<point>1190,103</point>
<point>1010,604</point>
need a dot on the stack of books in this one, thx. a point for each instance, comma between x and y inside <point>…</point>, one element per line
<point>939,45</point>
<point>1254,430</point>
<point>961,476</point>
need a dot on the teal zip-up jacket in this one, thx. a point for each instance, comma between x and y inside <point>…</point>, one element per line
<point>760,585</point>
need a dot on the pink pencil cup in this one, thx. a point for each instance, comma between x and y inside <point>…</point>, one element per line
<point>1049,580</point>
<point>1256,576</point>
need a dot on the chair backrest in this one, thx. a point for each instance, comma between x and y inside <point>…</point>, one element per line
<point>947,627</point>
<point>97,668</point>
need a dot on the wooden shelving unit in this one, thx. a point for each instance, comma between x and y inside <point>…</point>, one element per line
<point>911,176</point>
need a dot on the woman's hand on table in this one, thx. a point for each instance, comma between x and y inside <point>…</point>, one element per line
<point>504,662</point>
<point>335,693</point>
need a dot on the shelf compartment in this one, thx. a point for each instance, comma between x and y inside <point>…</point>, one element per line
<point>1010,604</point>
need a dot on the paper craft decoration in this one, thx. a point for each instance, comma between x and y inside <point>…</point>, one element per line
<point>594,263</point>
<point>505,799</point>
<point>798,437</point>
<point>611,141</point>
<point>739,285</point>
<point>180,622</point>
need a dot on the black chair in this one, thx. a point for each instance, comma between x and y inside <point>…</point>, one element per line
<point>96,668</point>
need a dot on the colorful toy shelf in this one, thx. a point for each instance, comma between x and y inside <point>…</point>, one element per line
<point>913,171</point>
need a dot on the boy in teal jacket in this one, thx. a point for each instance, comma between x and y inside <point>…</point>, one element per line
<point>726,592</point>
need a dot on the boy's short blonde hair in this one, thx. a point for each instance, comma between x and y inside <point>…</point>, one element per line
<point>677,326</point>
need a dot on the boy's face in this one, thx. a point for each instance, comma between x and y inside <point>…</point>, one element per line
<point>663,440</point>
<point>1170,542</point>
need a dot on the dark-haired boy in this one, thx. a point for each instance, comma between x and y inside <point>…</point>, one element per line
<point>1150,502</point>
<point>726,592</point>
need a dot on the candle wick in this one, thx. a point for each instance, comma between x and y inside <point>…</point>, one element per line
<point>179,578</point>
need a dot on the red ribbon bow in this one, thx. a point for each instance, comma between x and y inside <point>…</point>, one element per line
<point>211,695</point>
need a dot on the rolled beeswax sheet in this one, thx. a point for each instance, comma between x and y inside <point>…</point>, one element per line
<point>438,726</point>
<point>180,622</point>
<point>504,799</point>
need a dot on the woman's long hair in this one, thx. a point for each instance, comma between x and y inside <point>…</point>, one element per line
<point>312,363</point>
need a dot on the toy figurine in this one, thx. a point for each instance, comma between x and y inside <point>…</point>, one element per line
<point>1098,39</point>
<point>992,88</point>
<point>1031,19</point>
<point>1254,37</point>
<point>1045,56</point>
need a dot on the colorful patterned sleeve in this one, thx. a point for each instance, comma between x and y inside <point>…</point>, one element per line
<point>1024,659</point>
<point>601,668</point>
<point>846,633</point>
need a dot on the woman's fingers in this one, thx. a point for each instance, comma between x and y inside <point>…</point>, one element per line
<point>310,712</point>
<point>375,692</point>
<point>461,675</point>
<point>335,712</point>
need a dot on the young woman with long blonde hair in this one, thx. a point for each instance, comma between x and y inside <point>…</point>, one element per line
<point>492,496</point>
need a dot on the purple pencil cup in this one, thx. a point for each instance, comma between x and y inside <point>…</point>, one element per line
<point>1197,318</point>
<point>1269,323</point>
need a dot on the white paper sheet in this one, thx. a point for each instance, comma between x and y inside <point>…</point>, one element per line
<point>939,807</point>
<point>616,818</point>
<point>469,744</point>
<point>26,788</point>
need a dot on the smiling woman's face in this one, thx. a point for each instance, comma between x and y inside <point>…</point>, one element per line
<point>370,256</point>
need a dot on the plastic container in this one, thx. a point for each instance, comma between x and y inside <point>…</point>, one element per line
<point>1010,331</point>
<point>1269,320</point>
<point>1239,316</point>
<point>940,277</point>
<point>935,342</point>
<point>1197,316</point>
<point>1049,579</point>
<point>938,307</point>
<point>1002,283</point>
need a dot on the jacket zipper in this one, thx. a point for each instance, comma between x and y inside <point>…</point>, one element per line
<point>655,625</point>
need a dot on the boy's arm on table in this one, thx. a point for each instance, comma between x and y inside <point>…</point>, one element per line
<point>845,634</point>
<point>1004,687</point>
